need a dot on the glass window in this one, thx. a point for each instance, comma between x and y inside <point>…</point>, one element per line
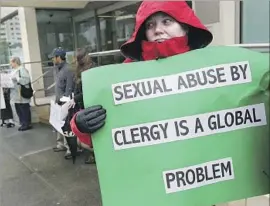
<point>10,46</point>
<point>116,28</point>
<point>87,35</point>
<point>54,30</point>
<point>255,21</point>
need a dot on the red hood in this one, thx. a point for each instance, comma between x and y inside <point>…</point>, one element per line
<point>198,35</point>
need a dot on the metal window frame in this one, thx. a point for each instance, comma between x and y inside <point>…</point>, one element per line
<point>86,16</point>
<point>91,13</point>
<point>247,46</point>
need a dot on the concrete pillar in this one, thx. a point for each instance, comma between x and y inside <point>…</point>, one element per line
<point>222,21</point>
<point>228,21</point>
<point>30,45</point>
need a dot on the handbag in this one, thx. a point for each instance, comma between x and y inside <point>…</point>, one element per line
<point>26,93</point>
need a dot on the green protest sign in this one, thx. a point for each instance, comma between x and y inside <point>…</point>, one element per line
<point>186,130</point>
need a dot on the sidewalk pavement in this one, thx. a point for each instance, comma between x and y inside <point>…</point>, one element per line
<point>31,174</point>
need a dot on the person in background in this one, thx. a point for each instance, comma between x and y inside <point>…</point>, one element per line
<point>64,85</point>
<point>83,63</point>
<point>20,77</point>
<point>163,29</point>
<point>7,114</point>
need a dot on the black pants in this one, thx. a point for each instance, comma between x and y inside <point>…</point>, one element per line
<point>24,114</point>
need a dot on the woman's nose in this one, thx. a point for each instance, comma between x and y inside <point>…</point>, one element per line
<point>158,29</point>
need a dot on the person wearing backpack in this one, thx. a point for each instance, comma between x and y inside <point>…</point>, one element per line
<point>21,94</point>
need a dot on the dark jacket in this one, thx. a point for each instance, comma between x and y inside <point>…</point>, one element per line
<point>7,112</point>
<point>78,95</point>
<point>64,81</point>
<point>78,98</point>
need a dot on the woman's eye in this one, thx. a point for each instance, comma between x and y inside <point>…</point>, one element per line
<point>167,21</point>
<point>149,25</point>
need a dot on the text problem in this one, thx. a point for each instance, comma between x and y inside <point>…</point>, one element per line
<point>198,175</point>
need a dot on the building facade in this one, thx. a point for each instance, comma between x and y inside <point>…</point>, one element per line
<point>105,25</point>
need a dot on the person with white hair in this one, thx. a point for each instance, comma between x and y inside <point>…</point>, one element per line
<point>22,82</point>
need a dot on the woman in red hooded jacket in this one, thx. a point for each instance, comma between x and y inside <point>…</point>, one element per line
<point>162,29</point>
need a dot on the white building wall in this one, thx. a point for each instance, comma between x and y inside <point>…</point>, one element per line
<point>30,45</point>
<point>220,18</point>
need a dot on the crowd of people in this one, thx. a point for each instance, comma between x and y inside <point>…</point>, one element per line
<point>67,84</point>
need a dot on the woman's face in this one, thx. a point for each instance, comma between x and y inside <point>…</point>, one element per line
<point>161,27</point>
<point>13,64</point>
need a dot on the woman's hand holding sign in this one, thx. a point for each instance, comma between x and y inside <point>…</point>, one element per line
<point>91,119</point>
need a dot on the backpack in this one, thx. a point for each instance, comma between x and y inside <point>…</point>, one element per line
<point>26,93</point>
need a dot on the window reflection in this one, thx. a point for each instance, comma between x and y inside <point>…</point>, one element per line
<point>55,30</point>
<point>10,41</point>
<point>116,28</point>
<point>86,35</point>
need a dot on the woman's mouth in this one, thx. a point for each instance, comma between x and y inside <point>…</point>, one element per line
<point>160,40</point>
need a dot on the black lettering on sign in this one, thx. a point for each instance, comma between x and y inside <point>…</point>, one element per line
<point>161,88</point>
<point>198,175</point>
<point>234,73</point>
<point>190,176</point>
<point>181,128</point>
<point>164,129</point>
<point>216,169</point>
<point>146,89</point>
<point>137,89</point>
<point>254,116</point>
<point>181,82</point>
<point>211,123</point>
<point>226,168</point>
<point>144,131</point>
<point>191,80</point>
<point>248,117</point>
<point>198,126</point>
<point>229,120</point>
<point>211,74</point>
<point>219,122</point>
<point>183,125</point>
<point>239,118</point>
<point>128,91</point>
<point>155,135</point>
<point>157,87</point>
<point>207,178</point>
<point>238,72</point>
<point>170,177</point>
<point>134,133</point>
<point>180,178</point>
<point>117,90</point>
<point>220,74</point>
<point>117,135</point>
<point>137,135</point>
<point>125,138</point>
<point>202,79</point>
<point>243,69</point>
